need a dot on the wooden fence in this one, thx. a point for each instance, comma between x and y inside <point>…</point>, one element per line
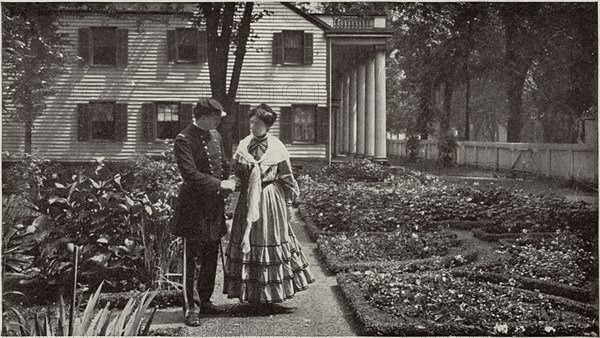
<point>568,161</point>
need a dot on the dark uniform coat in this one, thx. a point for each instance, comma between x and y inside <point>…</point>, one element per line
<point>199,212</point>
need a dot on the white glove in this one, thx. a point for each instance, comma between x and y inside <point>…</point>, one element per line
<point>228,185</point>
<point>246,244</point>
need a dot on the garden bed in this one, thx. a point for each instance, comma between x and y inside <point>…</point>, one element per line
<point>436,303</point>
<point>406,251</point>
<point>545,286</point>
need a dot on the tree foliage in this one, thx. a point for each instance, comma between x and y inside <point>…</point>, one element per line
<point>32,58</point>
<point>473,67</point>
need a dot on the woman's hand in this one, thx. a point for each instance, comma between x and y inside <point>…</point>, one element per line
<point>246,244</point>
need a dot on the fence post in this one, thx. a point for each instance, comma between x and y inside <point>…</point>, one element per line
<point>476,156</point>
<point>497,157</point>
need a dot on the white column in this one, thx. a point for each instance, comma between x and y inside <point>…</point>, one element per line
<point>360,111</point>
<point>339,118</point>
<point>370,109</point>
<point>346,118</point>
<point>380,118</point>
<point>352,144</point>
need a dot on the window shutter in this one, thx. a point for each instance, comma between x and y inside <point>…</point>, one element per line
<point>148,122</point>
<point>243,123</point>
<point>122,47</point>
<point>308,48</point>
<point>121,122</point>
<point>286,132</point>
<point>84,44</point>
<point>202,47</point>
<point>186,115</point>
<point>322,125</point>
<point>84,123</point>
<point>172,46</point>
<point>277,48</point>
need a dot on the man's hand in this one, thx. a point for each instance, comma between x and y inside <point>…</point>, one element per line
<point>228,185</point>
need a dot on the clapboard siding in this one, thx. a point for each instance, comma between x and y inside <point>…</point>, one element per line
<point>149,77</point>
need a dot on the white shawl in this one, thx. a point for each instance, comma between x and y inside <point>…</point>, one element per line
<point>276,153</point>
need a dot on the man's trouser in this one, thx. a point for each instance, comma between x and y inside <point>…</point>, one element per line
<point>199,272</point>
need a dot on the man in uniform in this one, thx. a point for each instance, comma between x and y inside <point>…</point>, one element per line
<point>199,215</point>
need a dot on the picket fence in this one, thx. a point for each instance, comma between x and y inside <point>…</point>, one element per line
<point>568,161</point>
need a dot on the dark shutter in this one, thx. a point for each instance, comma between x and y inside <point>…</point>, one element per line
<point>277,48</point>
<point>148,122</point>
<point>322,119</point>
<point>202,47</point>
<point>243,122</point>
<point>172,46</point>
<point>122,47</point>
<point>121,122</point>
<point>308,48</point>
<point>84,123</point>
<point>286,132</point>
<point>84,44</point>
<point>186,115</point>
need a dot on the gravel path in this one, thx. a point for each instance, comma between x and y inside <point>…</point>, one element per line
<point>318,311</point>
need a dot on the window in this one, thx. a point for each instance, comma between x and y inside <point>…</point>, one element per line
<point>291,47</point>
<point>187,45</point>
<point>304,123</point>
<point>167,120</point>
<point>103,120</point>
<point>103,46</point>
<point>164,120</point>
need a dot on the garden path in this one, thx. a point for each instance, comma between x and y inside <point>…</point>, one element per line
<point>318,311</point>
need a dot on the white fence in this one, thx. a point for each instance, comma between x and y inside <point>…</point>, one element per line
<point>569,161</point>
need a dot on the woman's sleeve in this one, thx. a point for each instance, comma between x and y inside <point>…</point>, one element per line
<point>287,181</point>
<point>237,174</point>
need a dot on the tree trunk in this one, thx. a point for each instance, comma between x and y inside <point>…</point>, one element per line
<point>447,113</point>
<point>514,91</point>
<point>28,136</point>
<point>425,110</point>
<point>218,57</point>
<point>516,66</point>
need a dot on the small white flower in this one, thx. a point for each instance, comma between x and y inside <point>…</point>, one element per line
<point>502,328</point>
<point>102,240</point>
<point>549,329</point>
<point>415,236</point>
<point>128,242</point>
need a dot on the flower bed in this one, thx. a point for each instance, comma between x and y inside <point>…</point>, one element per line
<point>353,248</point>
<point>477,272</point>
<point>436,303</point>
<point>398,203</point>
<point>561,259</point>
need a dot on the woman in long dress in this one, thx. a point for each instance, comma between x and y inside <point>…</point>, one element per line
<point>264,263</point>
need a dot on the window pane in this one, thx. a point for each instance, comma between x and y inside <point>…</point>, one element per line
<point>167,130</point>
<point>104,46</point>
<point>304,123</point>
<point>293,45</point>
<point>188,53</point>
<point>188,37</point>
<point>104,36</point>
<point>103,121</point>
<point>167,126</point>
<point>105,56</point>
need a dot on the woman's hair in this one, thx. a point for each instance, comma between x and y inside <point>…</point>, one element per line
<point>265,113</point>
